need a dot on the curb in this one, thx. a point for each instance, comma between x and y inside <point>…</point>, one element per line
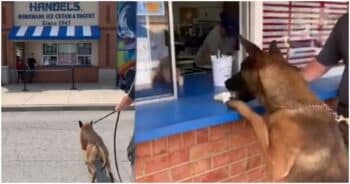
<point>61,108</point>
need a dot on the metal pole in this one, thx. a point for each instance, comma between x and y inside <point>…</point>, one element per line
<point>73,79</point>
<point>25,80</point>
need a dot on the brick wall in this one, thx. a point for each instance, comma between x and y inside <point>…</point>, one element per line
<point>224,153</point>
<point>64,75</point>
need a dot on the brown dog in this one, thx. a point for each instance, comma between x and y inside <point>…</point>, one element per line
<point>95,149</point>
<point>299,135</point>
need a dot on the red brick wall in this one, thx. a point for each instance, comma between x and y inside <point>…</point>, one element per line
<point>7,47</point>
<point>224,153</point>
<point>107,47</point>
<point>64,75</point>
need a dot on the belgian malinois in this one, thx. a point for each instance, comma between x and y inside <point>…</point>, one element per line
<point>95,149</point>
<point>299,136</point>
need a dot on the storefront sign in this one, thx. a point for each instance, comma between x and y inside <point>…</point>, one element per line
<point>56,13</point>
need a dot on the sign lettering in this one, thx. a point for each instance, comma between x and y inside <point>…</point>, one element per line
<point>56,13</point>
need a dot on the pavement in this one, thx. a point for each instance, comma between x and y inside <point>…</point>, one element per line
<point>39,147</point>
<point>52,96</point>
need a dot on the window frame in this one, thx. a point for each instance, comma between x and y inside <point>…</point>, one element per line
<point>49,55</point>
<point>174,95</point>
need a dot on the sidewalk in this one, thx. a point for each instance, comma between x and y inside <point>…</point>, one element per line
<point>43,96</point>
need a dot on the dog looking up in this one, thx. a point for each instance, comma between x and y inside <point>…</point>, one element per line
<point>95,149</point>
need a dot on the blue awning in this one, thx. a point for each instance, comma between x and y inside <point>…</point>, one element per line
<point>54,33</point>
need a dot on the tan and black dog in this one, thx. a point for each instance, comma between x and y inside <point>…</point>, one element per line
<point>95,149</point>
<point>299,135</point>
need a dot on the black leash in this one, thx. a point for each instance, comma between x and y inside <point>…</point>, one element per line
<point>104,117</point>
<point>115,147</point>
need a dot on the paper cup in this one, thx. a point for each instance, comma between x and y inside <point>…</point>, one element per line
<point>222,69</point>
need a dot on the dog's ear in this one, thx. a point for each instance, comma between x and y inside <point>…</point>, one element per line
<point>253,50</point>
<point>80,124</point>
<point>274,50</point>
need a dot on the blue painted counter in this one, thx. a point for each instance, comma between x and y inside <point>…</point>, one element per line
<point>195,108</point>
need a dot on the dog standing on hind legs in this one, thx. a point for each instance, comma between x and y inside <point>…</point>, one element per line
<point>95,149</point>
<point>299,135</point>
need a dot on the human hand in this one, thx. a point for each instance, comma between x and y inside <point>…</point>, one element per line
<point>125,102</point>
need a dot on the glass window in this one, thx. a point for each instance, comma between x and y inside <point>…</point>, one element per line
<point>50,60</point>
<point>49,54</point>
<point>49,49</point>
<point>84,48</point>
<point>84,53</point>
<point>84,60</point>
<point>154,65</point>
<point>67,54</point>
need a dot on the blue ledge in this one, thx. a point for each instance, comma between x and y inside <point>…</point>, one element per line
<point>195,108</point>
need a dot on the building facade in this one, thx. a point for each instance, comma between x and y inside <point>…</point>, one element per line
<point>60,35</point>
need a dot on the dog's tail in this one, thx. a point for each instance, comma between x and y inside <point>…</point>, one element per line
<point>103,155</point>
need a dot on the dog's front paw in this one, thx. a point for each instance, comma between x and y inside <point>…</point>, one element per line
<point>235,104</point>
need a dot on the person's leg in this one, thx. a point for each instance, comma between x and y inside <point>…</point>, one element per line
<point>31,75</point>
<point>18,76</point>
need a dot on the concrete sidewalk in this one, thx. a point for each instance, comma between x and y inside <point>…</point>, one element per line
<point>42,96</point>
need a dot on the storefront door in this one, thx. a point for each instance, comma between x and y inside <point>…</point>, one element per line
<point>20,50</point>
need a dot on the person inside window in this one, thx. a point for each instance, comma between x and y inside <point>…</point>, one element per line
<point>223,37</point>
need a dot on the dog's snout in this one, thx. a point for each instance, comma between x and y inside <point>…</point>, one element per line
<point>235,82</point>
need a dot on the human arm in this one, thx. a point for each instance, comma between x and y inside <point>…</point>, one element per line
<point>313,70</point>
<point>203,53</point>
<point>329,56</point>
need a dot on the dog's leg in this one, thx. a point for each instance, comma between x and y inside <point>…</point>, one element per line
<point>92,172</point>
<point>256,121</point>
<point>108,166</point>
<point>93,180</point>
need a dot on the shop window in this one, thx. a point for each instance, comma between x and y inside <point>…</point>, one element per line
<point>67,54</point>
<point>50,54</point>
<point>300,28</point>
<point>84,53</point>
